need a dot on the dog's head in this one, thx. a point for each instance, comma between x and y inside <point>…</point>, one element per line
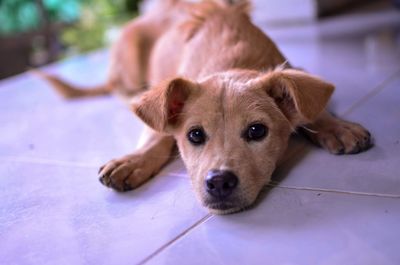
<point>232,128</point>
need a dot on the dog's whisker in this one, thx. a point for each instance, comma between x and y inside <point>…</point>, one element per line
<point>309,130</point>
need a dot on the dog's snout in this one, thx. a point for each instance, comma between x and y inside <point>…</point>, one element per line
<point>221,183</point>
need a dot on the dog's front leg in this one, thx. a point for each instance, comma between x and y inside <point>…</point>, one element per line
<point>130,171</point>
<point>338,136</point>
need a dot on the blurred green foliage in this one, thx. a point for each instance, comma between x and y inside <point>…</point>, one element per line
<point>24,15</point>
<point>87,20</point>
<point>97,16</point>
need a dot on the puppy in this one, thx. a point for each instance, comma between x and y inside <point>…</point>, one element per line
<point>221,91</point>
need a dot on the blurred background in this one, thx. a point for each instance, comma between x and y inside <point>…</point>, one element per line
<point>36,32</point>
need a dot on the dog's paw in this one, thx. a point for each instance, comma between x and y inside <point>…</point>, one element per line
<point>341,137</point>
<point>126,173</point>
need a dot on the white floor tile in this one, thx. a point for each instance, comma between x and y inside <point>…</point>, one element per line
<point>39,125</point>
<point>296,227</point>
<point>63,215</point>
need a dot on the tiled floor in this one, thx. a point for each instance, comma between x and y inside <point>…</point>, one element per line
<point>320,208</point>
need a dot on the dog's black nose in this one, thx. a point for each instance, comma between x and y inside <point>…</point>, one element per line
<point>221,183</point>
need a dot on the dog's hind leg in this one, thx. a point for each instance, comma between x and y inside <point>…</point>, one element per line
<point>130,171</point>
<point>129,61</point>
<point>129,58</point>
<point>128,69</point>
<point>338,136</point>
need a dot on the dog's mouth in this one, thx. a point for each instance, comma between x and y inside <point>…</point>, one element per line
<point>223,206</point>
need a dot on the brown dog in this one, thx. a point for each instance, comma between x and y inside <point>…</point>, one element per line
<point>220,90</point>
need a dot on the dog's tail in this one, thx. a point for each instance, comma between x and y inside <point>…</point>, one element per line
<point>70,91</point>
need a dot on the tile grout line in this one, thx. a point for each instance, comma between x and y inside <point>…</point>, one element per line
<point>45,161</point>
<point>175,239</point>
<point>50,162</point>
<point>178,175</point>
<point>394,196</point>
<point>372,93</point>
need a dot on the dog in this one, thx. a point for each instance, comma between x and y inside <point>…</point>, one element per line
<point>203,78</point>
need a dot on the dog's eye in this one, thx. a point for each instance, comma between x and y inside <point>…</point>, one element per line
<point>196,136</point>
<point>255,132</point>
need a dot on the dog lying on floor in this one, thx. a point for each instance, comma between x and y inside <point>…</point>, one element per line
<point>223,93</point>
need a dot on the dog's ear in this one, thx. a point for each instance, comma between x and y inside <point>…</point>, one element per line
<point>300,96</point>
<point>161,107</point>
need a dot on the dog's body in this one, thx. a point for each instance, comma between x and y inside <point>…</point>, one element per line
<point>221,91</point>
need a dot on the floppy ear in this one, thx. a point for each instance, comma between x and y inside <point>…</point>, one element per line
<point>162,105</point>
<point>300,96</point>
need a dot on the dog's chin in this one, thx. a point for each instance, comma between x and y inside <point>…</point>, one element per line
<point>224,207</point>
